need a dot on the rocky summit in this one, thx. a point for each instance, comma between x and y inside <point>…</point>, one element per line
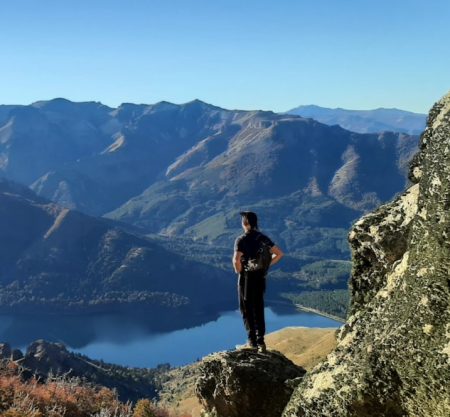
<point>244,383</point>
<point>393,353</point>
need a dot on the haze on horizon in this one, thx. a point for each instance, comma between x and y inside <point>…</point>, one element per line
<point>257,55</point>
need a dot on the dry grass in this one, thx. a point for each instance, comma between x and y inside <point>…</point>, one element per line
<point>305,347</point>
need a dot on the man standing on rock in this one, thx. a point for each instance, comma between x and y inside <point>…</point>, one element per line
<point>251,251</point>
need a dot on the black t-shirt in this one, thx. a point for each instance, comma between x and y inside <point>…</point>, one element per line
<point>249,243</point>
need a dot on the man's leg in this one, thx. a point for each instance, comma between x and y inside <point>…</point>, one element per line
<point>246,308</point>
<point>259,311</point>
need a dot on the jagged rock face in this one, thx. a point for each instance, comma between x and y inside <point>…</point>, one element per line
<point>246,384</point>
<point>44,357</point>
<point>393,354</point>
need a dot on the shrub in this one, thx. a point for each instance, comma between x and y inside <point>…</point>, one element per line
<point>57,397</point>
<point>145,408</point>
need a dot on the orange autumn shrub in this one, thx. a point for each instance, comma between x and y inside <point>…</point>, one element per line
<point>145,408</point>
<point>64,397</point>
<point>58,397</point>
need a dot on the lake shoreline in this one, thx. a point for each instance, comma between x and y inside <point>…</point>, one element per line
<point>320,313</point>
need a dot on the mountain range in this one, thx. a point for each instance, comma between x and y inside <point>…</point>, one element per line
<point>165,170</point>
<point>366,121</point>
<point>188,169</point>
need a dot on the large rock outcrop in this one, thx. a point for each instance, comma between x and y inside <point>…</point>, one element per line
<point>393,354</point>
<point>243,383</point>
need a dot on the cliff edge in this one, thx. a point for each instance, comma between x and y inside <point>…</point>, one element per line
<point>393,353</point>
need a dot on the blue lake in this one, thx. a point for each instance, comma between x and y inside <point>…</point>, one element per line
<point>125,340</point>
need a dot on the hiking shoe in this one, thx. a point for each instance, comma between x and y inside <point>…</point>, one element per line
<point>248,346</point>
<point>262,348</point>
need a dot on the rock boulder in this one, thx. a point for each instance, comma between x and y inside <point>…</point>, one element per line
<point>243,383</point>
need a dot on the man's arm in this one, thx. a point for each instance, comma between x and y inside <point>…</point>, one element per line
<point>237,264</point>
<point>277,254</point>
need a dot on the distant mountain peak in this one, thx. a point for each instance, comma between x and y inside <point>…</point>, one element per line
<point>365,121</point>
<point>64,104</point>
<point>56,100</point>
<point>165,103</point>
<point>197,103</point>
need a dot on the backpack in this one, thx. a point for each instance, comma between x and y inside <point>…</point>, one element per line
<point>263,258</point>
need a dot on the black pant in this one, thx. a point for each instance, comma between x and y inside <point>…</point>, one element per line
<point>251,288</point>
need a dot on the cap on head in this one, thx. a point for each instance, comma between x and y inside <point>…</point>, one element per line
<point>250,218</point>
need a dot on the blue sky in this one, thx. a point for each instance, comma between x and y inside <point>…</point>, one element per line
<point>245,54</point>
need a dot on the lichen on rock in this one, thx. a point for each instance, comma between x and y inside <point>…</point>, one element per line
<point>393,353</point>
